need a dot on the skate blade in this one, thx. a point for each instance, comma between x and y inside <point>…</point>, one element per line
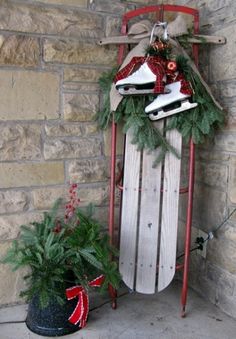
<point>138,90</point>
<point>133,91</point>
<point>185,105</point>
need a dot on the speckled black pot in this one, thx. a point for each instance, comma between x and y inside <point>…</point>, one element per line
<point>51,321</point>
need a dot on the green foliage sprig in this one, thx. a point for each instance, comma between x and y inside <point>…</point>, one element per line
<point>201,121</point>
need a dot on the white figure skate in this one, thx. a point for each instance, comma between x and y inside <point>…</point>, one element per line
<point>140,82</point>
<point>158,108</point>
<point>143,80</point>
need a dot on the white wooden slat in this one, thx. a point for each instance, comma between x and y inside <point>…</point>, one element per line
<point>149,223</point>
<point>129,217</point>
<point>148,226</point>
<point>169,221</point>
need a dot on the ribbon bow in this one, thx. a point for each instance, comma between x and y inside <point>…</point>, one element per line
<point>81,310</point>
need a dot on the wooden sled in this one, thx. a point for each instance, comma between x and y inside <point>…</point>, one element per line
<point>150,199</point>
<point>149,218</point>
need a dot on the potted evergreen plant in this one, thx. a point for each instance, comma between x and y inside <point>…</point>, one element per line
<point>66,256</point>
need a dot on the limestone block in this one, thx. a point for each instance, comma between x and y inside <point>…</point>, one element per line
<point>213,272</point>
<point>95,195</point>
<point>11,283</point>
<point>211,154</point>
<point>113,26</point>
<point>216,5</point>
<point>68,129</point>
<point>226,285</point>
<point>226,141</point>
<point>101,214</point>
<point>28,95</point>
<point>19,50</point>
<point>63,129</point>
<point>224,281</point>
<point>232,219</point>
<point>222,252</point>
<point>232,180</point>
<point>80,3</point>
<point>33,18</point>
<point>229,232</point>
<point>31,174</point>
<point>10,224</point>
<point>216,13</point>
<point>212,174</point>
<point>90,128</point>
<point>81,88</point>
<point>13,201</point>
<point>209,206</point>
<point>90,170</point>
<point>224,70</point>
<point>78,52</point>
<point>227,88</point>
<point>80,107</point>
<point>82,74</point>
<point>44,198</point>
<point>20,142</point>
<point>108,6</point>
<point>64,149</point>
<point>230,106</point>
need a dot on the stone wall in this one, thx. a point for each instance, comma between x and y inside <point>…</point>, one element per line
<point>215,193</point>
<point>49,69</point>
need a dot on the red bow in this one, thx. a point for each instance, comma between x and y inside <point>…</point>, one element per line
<point>82,308</point>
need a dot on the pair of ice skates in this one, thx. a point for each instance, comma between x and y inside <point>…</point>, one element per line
<point>142,81</point>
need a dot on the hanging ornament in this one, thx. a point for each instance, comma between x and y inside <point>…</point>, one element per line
<point>171,66</point>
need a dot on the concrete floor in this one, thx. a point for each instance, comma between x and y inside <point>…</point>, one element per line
<point>138,317</point>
